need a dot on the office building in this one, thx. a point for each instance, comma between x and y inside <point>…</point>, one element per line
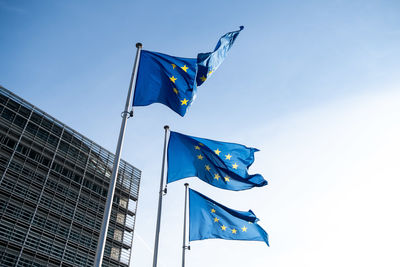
<point>53,188</point>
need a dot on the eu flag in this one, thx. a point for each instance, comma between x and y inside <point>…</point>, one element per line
<point>220,164</point>
<point>172,81</point>
<point>167,80</point>
<point>209,219</point>
<point>209,62</point>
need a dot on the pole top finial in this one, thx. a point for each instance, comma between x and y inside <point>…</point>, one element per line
<point>139,45</point>
<point>166,127</point>
<point>186,184</point>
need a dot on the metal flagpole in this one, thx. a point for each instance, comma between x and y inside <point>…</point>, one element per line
<point>111,189</point>
<point>162,192</point>
<point>184,247</point>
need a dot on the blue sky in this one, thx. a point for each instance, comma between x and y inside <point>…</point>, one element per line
<point>313,84</point>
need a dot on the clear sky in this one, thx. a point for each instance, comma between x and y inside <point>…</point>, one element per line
<point>313,84</point>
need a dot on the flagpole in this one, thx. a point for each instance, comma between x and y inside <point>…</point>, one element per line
<point>184,247</point>
<point>161,193</point>
<point>111,189</point>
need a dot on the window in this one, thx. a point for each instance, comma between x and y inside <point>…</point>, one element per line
<point>130,221</point>
<point>3,99</point>
<point>9,259</point>
<point>12,105</point>
<point>63,230</point>
<point>121,218</point>
<point>70,254</point>
<point>9,142</point>
<point>8,115</point>
<point>32,128</point>
<point>76,142</point>
<point>36,118</point>
<point>34,155</point>
<point>128,238</point>
<point>19,121</point>
<point>123,202</point>
<point>57,130</point>
<point>47,124</point>
<point>63,146</point>
<point>24,111</point>
<point>52,140</point>
<point>67,136</point>
<point>75,235</point>
<point>22,149</point>
<point>40,220</point>
<point>45,245</point>
<point>125,255</point>
<point>42,134</point>
<point>115,253</point>
<point>18,234</point>
<point>57,249</point>
<point>118,235</point>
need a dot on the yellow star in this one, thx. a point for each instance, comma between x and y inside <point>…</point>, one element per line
<point>234,231</point>
<point>212,210</point>
<point>200,157</point>
<point>203,79</point>
<point>209,73</point>
<point>217,151</point>
<point>208,168</point>
<point>197,147</point>
<point>184,68</point>
<point>235,166</point>
<point>228,157</point>
<point>244,229</point>
<point>226,178</point>
<point>173,79</point>
<point>201,144</point>
<point>216,176</point>
<point>223,227</point>
<point>216,219</point>
<point>173,66</point>
<point>184,102</point>
<point>175,91</point>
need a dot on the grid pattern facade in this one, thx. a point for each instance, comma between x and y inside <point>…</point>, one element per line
<point>53,189</point>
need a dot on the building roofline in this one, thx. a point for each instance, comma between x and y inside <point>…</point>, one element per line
<point>81,136</point>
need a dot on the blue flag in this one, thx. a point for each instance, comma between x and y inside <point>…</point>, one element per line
<point>209,62</point>
<point>209,219</point>
<point>172,81</point>
<point>220,164</point>
<point>167,80</point>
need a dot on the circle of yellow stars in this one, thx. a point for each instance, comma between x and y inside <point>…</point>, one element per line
<point>224,227</point>
<point>218,153</point>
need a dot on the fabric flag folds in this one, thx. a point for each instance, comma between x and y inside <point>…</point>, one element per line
<point>220,164</point>
<point>172,81</point>
<point>167,80</point>
<point>209,62</point>
<point>209,219</point>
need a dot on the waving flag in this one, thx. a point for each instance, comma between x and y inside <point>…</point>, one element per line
<point>167,80</point>
<point>220,164</point>
<point>209,62</point>
<point>209,219</point>
<point>172,81</point>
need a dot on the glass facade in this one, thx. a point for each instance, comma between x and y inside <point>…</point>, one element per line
<point>53,189</point>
